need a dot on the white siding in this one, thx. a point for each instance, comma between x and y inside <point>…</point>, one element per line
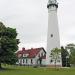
<point>43,61</point>
<point>27,61</point>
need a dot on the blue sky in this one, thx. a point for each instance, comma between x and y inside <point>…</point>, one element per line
<point>30,18</point>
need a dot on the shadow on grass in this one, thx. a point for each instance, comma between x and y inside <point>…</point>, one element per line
<point>7,69</point>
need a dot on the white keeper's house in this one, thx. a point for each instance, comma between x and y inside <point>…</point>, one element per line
<point>33,56</point>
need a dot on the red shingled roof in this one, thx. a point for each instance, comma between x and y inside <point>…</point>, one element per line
<point>31,52</point>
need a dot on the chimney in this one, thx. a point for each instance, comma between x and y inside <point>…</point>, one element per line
<point>23,49</point>
<point>32,48</point>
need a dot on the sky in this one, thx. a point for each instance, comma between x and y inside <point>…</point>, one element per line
<point>30,18</point>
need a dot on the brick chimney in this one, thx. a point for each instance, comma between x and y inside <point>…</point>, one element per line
<point>23,49</point>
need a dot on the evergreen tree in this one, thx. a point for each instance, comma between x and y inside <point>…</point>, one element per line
<point>64,55</point>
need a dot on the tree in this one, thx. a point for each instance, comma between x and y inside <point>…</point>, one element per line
<point>55,55</point>
<point>71,48</point>
<point>64,55</point>
<point>8,45</point>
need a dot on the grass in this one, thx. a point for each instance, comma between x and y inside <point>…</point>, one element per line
<point>22,70</point>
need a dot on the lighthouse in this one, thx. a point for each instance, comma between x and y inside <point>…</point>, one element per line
<point>53,40</point>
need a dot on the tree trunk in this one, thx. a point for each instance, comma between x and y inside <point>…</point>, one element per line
<point>55,63</point>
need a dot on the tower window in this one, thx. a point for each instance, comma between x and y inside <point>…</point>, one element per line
<point>51,35</point>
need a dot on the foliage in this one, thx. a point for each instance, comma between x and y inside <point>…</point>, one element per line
<point>55,55</point>
<point>8,44</point>
<point>72,57</point>
<point>64,55</point>
<point>71,48</point>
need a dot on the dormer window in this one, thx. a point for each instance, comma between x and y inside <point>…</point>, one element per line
<point>42,54</point>
<point>25,55</point>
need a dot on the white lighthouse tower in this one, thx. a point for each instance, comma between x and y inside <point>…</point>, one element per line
<point>53,39</point>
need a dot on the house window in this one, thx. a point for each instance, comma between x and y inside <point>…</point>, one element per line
<point>26,60</point>
<point>31,61</point>
<point>41,54</point>
<point>23,60</point>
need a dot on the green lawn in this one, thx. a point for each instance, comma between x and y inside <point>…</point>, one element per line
<point>12,70</point>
